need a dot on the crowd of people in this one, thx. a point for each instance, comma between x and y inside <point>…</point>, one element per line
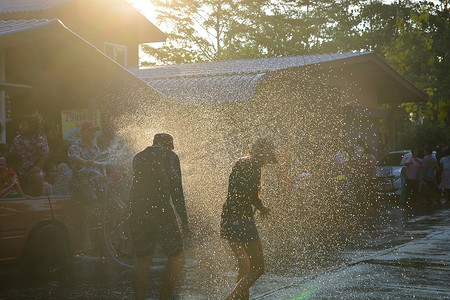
<point>424,176</point>
<point>28,170</point>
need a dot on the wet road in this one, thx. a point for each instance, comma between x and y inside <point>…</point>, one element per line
<point>400,254</point>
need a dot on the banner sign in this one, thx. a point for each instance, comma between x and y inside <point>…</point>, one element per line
<point>71,121</point>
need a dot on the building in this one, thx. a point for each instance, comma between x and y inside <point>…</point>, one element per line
<point>361,80</point>
<point>112,26</point>
<point>46,65</point>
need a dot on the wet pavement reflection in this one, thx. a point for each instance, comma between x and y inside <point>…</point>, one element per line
<point>395,252</point>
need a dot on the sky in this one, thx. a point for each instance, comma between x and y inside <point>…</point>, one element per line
<point>148,10</point>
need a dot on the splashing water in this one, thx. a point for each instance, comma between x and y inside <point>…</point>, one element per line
<point>303,116</point>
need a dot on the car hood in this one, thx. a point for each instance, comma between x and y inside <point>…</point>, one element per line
<point>389,171</point>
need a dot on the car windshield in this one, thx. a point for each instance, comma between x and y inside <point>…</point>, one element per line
<point>391,159</point>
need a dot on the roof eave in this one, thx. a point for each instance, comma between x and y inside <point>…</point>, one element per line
<point>418,94</point>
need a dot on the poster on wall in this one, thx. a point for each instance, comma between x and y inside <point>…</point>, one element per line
<point>71,121</point>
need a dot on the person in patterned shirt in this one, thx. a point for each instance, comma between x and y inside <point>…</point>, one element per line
<point>88,180</point>
<point>33,149</point>
<point>9,181</point>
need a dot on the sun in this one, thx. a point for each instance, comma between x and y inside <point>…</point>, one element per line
<point>146,8</point>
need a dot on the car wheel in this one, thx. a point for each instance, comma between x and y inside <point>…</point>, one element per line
<point>47,253</point>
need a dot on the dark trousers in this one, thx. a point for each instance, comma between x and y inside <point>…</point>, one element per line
<point>412,189</point>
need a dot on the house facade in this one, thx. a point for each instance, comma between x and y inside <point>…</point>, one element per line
<point>112,26</point>
<point>59,55</point>
<point>290,92</point>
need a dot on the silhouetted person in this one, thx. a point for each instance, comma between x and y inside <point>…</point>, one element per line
<point>156,180</point>
<point>88,180</point>
<point>413,165</point>
<point>33,149</point>
<point>237,224</point>
<point>445,180</point>
<point>429,170</point>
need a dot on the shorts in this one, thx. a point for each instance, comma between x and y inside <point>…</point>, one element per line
<point>239,231</point>
<point>147,232</point>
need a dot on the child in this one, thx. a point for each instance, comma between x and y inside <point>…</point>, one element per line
<point>9,181</point>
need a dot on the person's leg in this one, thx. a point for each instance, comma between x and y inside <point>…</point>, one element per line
<point>141,270</point>
<point>409,189</point>
<point>415,187</point>
<point>255,255</point>
<point>171,274</point>
<point>243,264</point>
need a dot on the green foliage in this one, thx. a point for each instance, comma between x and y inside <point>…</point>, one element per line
<point>420,52</point>
<point>422,135</point>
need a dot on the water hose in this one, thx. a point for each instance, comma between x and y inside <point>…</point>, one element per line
<point>107,242</point>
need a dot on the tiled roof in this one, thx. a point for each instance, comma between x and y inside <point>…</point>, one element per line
<point>224,81</point>
<point>211,89</point>
<point>15,6</point>
<point>244,66</point>
<point>12,26</point>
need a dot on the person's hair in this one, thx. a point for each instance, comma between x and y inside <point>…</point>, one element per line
<point>4,148</point>
<point>428,149</point>
<point>13,159</point>
<point>163,140</point>
<point>33,123</point>
<point>263,146</point>
<point>415,148</point>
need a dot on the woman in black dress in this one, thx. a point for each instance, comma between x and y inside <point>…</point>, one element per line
<point>237,222</point>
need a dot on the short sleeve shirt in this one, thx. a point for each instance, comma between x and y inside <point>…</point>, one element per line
<point>445,161</point>
<point>31,151</point>
<point>84,175</point>
<point>413,170</point>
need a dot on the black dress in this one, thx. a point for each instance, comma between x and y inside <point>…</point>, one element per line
<point>237,222</point>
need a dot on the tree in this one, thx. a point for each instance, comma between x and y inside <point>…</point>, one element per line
<point>201,30</point>
<point>420,52</point>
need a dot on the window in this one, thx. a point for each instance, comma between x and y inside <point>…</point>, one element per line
<point>117,52</point>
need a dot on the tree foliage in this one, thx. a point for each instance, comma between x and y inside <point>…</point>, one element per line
<point>412,36</point>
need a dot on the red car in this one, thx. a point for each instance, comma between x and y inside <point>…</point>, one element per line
<point>37,232</point>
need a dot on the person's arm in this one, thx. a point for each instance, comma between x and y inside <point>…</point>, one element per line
<point>176,187</point>
<point>255,184</point>
<point>408,161</point>
<point>84,162</point>
<point>44,151</point>
<point>75,158</point>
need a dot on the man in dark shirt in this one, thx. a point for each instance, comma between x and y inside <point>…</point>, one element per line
<point>156,180</point>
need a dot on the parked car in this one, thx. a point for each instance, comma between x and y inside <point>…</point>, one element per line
<point>38,234</point>
<point>388,172</point>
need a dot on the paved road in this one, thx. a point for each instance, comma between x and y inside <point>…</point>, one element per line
<point>402,256</point>
<point>417,268</point>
